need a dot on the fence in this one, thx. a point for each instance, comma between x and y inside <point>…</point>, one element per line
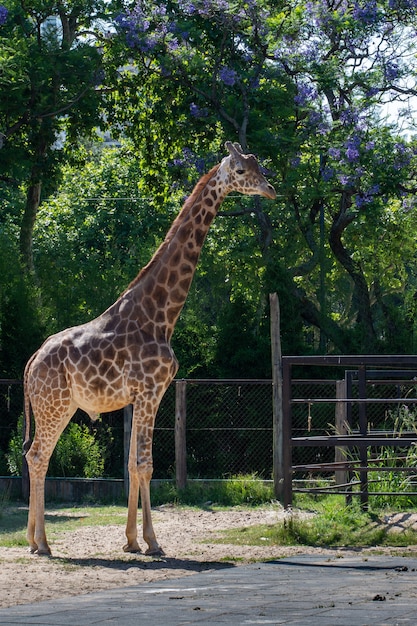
<point>222,428</point>
<point>366,401</point>
<point>211,429</point>
<point>228,429</point>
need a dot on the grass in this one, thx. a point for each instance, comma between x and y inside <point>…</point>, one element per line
<point>326,522</point>
<point>246,490</point>
<point>58,519</point>
<point>322,521</point>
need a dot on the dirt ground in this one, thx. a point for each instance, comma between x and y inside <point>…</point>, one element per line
<point>92,559</point>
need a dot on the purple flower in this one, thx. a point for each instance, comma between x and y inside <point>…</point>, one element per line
<point>189,8</point>
<point>352,148</point>
<point>196,111</point>
<point>343,179</point>
<point>334,153</point>
<point>400,148</point>
<point>305,93</point>
<point>349,116</point>
<point>370,145</point>
<point>173,44</point>
<point>366,12</point>
<point>352,154</point>
<point>3,14</point>
<point>391,71</point>
<point>315,118</point>
<point>228,76</point>
<point>366,197</point>
<point>327,174</point>
<point>402,4</point>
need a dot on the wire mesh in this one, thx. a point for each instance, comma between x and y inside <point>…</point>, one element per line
<point>229,428</point>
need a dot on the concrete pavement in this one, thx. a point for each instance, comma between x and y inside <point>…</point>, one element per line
<point>299,591</point>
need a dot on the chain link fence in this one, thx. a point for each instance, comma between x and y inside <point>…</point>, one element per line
<point>229,429</point>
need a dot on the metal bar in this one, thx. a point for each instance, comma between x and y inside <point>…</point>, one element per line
<point>352,441</point>
<point>358,493</point>
<point>363,429</point>
<point>384,360</point>
<point>325,468</point>
<point>225,381</point>
<point>287,432</point>
<point>351,463</point>
<point>355,400</point>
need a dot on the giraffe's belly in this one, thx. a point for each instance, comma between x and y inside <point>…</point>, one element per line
<point>100,397</point>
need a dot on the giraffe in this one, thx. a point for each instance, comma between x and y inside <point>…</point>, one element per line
<point>124,356</point>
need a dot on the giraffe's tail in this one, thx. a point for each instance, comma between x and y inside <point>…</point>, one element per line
<point>27,413</point>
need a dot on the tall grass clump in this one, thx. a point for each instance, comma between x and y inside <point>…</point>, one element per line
<point>383,480</point>
<point>239,490</point>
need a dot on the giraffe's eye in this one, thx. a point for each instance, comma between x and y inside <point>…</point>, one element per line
<point>240,171</point>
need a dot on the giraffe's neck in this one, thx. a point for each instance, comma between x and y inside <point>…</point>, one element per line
<point>160,289</point>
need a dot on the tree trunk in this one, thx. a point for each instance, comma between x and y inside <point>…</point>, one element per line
<point>33,199</point>
<point>362,300</point>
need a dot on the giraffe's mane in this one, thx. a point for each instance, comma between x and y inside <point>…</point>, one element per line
<point>174,227</point>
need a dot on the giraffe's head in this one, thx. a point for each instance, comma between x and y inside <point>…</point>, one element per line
<point>242,173</point>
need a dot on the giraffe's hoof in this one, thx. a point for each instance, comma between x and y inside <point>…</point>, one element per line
<point>133,548</point>
<point>155,551</point>
<point>45,551</point>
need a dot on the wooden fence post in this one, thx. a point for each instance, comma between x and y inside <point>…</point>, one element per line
<point>180,433</point>
<point>127,433</point>
<point>340,453</point>
<point>277,407</point>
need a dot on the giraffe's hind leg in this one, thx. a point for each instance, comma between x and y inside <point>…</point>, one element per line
<point>38,465</point>
<point>38,458</point>
<point>140,473</point>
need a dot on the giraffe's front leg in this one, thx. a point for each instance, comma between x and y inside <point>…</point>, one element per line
<point>132,511</point>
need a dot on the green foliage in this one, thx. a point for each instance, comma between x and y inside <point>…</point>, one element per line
<point>243,350</point>
<point>334,525</point>
<point>403,419</point>
<point>22,326</point>
<point>239,490</point>
<point>77,453</point>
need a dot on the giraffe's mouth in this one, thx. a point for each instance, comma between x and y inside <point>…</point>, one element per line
<point>269,192</point>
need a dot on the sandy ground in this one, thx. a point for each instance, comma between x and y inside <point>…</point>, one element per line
<point>92,559</point>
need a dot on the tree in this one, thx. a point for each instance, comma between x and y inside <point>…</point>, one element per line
<point>49,94</point>
<point>302,85</point>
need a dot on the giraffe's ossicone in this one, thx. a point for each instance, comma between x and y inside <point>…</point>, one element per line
<point>124,356</point>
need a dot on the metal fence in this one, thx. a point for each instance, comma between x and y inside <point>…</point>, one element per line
<point>368,448</point>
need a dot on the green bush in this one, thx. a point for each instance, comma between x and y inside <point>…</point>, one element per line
<point>77,453</point>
